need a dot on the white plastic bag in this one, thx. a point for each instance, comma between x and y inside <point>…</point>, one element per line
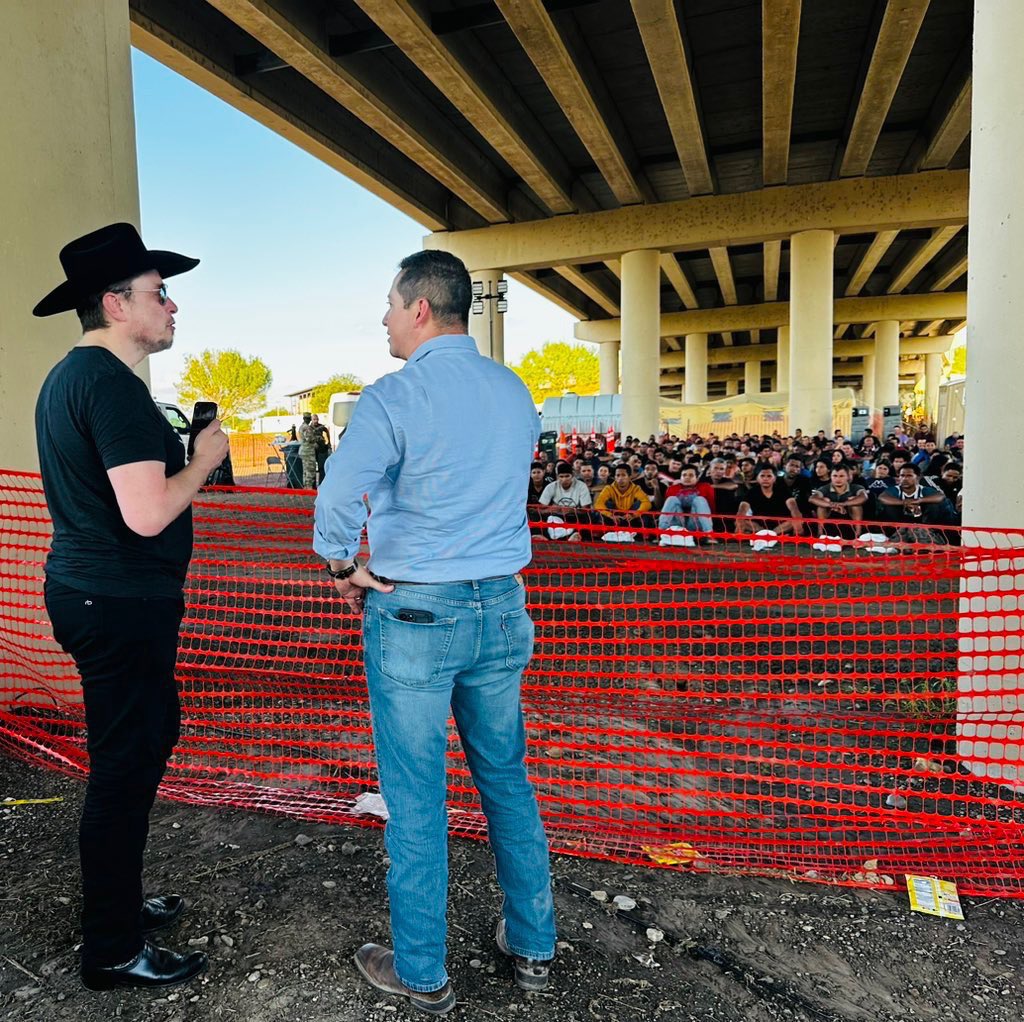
<point>680,537</point>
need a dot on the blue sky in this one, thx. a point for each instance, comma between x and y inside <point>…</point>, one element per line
<point>296,259</point>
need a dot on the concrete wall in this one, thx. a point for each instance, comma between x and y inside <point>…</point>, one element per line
<point>68,135</point>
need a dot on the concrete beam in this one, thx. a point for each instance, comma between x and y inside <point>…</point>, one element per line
<point>388,105</point>
<point>871,258</point>
<point>900,25</point>
<point>539,37</point>
<point>957,270</point>
<point>663,41</point>
<point>921,257</point>
<point>910,347</point>
<point>358,156</point>
<point>859,205</point>
<point>580,280</point>
<point>951,132</point>
<point>780,34</point>
<point>507,128</point>
<point>550,293</point>
<point>772,256</point>
<point>678,279</point>
<point>945,304</point>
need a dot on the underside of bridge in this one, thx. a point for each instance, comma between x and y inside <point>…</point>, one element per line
<point>591,128</point>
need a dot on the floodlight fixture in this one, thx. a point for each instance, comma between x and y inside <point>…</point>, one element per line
<point>478,288</point>
<point>502,287</point>
<point>478,306</point>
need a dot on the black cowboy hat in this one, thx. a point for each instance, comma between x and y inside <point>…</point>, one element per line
<point>104,257</point>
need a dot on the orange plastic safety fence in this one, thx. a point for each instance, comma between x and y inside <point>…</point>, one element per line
<point>842,711</point>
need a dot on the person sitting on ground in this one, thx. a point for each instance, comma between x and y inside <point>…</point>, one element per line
<point>567,500</point>
<point>652,485</point>
<point>951,481</point>
<point>726,493</point>
<point>623,502</point>
<point>747,471</point>
<point>913,506</point>
<point>822,473</point>
<point>799,483</point>
<point>589,480</point>
<point>670,474</point>
<point>604,477</point>
<point>842,503</point>
<point>881,480</point>
<point>538,481</point>
<point>689,504</point>
<point>768,504</point>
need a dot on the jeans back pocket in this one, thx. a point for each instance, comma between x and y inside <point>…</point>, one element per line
<point>517,627</point>
<point>414,652</point>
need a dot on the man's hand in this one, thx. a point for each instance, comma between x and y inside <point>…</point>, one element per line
<point>211,447</point>
<point>353,589</point>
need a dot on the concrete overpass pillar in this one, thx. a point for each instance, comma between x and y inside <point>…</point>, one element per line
<point>867,396</point>
<point>810,331</point>
<point>782,359</point>
<point>887,362</point>
<point>751,377</point>
<point>488,328</point>
<point>990,708</point>
<point>732,387</point>
<point>696,392</point>
<point>608,365</point>
<point>932,378</point>
<point>641,342</point>
<point>69,132</point>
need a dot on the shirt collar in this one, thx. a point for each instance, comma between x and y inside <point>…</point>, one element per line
<point>460,341</point>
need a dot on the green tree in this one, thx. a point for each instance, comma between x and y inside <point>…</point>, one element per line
<point>279,410</point>
<point>238,384</point>
<point>339,383</point>
<point>958,363</point>
<point>558,368</point>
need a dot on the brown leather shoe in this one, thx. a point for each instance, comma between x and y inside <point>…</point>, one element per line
<point>377,964</point>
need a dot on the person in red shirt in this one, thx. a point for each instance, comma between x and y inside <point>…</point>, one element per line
<point>689,504</point>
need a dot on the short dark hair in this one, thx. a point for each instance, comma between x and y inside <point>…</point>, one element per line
<point>442,279</point>
<point>90,310</point>
<point>537,464</point>
<point>563,469</point>
<point>913,468</point>
<point>620,465</point>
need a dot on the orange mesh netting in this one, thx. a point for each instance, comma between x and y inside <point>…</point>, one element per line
<point>712,707</point>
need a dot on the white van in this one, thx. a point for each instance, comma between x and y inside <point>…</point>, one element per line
<point>339,412</point>
<point>176,417</point>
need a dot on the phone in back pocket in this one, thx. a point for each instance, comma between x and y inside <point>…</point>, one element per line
<point>419,617</point>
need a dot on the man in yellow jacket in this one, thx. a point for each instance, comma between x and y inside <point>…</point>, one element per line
<point>623,502</point>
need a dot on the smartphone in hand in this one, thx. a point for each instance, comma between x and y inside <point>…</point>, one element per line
<point>202,415</point>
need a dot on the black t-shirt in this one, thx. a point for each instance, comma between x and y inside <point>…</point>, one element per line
<point>94,414</point>
<point>801,488</point>
<point>771,507</point>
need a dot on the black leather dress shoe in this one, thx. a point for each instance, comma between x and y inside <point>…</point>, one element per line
<point>152,967</point>
<point>158,913</point>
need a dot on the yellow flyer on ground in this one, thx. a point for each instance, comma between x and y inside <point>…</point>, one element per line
<point>934,896</point>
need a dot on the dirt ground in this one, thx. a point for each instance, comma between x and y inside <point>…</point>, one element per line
<point>281,905</point>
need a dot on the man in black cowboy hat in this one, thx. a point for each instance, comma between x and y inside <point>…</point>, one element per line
<point>120,496</point>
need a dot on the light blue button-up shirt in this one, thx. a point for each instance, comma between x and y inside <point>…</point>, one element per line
<point>443,449</point>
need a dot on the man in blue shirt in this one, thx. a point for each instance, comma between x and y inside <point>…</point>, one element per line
<point>444,619</point>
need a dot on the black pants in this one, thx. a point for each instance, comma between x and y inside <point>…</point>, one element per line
<point>125,650</point>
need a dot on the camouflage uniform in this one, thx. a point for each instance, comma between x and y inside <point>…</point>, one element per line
<point>307,434</point>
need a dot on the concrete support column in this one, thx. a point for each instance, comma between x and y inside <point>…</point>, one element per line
<point>932,378</point>
<point>773,383</point>
<point>810,331</point>
<point>990,708</point>
<point>488,328</point>
<point>696,392</point>
<point>641,343</point>
<point>608,365</point>
<point>732,387</point>
<point>867,397</point>
<point>782,359</point>
<point>887,363</point>
<point>69,132</point>
<point>751,377</point>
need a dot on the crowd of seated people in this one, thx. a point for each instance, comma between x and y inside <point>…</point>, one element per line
<point>709,486</point>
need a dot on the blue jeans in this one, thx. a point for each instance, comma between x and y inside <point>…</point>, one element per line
<point>700,521</point>
<point>470,658</point>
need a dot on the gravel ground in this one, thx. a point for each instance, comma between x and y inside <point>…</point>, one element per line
<point>281,905</point>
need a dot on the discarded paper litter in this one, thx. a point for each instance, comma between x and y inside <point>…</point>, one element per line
<point>934,897</point>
